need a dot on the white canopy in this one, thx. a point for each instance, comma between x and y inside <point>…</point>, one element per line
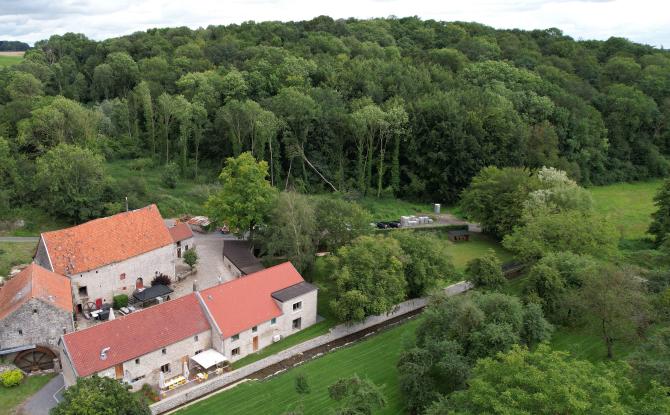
<point>209,358</point>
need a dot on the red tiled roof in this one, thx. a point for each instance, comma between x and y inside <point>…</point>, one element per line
<point>35,282</point>
<point>247,301</point>
<point>136,334</point>
<point>180,231</point>
<point>107,240</point>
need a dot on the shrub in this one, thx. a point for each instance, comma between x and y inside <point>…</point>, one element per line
<point>161,279</point>
<point>120,301</point>
<point>11,378</point>
<point>170,175</point>
<point>191,257</point>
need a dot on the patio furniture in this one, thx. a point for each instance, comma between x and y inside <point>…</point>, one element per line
<point>175,382</point>
<point>202,376</point>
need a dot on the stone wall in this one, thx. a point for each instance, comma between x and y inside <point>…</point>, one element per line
<point>35,322</point>
<point>120,277</point>
<point>180,398</point>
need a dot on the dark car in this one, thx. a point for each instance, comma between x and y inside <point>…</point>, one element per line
<point>382,225</point>
<point>394,224</point>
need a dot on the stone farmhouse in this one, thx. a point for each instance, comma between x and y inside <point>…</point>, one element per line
<point>227,321</point>
<point>35,311</point>
<point>110,256</point>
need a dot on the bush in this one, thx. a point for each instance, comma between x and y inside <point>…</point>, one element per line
<point>161,279</point>
<point>191,257</point>
<point>170,175</point>
<point>120,301</point>
<point>11,378</point>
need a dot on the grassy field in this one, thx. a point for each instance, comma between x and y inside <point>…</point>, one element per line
<point>8,60</point>
<point>11,398</point>
<point>627,205</point>
<point>374,358</point>
<point>14,254</point>
<point>187,197</point>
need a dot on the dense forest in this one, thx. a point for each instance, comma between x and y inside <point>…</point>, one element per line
<point>13,46</point>
<point>380,107</point>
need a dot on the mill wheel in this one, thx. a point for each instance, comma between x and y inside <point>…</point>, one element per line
<point>36,359</point>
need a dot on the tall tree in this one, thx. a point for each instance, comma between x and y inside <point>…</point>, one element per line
<point>246,197</point>
<point>99,395</point>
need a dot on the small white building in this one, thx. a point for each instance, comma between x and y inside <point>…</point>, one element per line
<point>109,256</point>
<point>182,236</point>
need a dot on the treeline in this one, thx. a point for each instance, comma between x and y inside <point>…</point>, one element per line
<point>381,107</point>
<point>13,46</point>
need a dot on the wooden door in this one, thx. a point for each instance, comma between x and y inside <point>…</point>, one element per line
<point>179,252</point>
<point>118,369</point>
<point>139,284</point>
<point>98,303</point>
<point>255,343</point>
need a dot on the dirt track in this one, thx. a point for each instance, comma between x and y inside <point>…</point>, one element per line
<point>11,53</point>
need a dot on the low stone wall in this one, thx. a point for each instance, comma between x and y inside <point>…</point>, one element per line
<point>337,332</point>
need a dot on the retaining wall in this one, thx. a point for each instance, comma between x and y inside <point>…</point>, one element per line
<point>337,332</point>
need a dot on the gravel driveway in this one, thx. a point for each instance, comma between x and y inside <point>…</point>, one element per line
<point>210,268</point>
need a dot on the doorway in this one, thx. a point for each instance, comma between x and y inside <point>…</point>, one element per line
<point>139,284</point>
<point>118,371</point>
<point>255,342</point>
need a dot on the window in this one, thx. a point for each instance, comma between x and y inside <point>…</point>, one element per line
<point>123,276</point>
<point>83,291</point>
<point>137,361</point>
<point>164,351</point>
<point>297,323</point>
<point>254,329</point>
<point>297,306</point>
<point>34,311</point>
<point>196,337</point>
<point>137,378</point>
<point>273,321</point>
<point>165,368</point>
<point>235,351</point>
<point>235,337</point>
<point>20,332</point>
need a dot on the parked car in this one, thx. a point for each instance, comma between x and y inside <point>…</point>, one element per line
<point>382,225</point>
<point>394,224</point>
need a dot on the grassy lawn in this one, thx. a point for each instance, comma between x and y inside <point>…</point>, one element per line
<point>374,358</point>
<point>10,398</point>
<point>477,246</point>
<point>627,205</point>
<point>14,254</point>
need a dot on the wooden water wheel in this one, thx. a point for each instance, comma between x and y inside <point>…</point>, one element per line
<point>36,359</point>
<point>90,306</point>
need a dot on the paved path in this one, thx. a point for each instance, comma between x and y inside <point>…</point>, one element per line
<point>45,399</point>
<point>19,238</point>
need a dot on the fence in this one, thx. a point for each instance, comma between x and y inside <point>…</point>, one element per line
<point>337,332</point>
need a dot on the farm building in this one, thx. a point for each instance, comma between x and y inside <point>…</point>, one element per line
<point>251,313</point>
<point>458,235</point>
<point>238,257</point>
<point>182,236</point>
<point>109,256</point>
<point>182,337</point>
<point>35,310</point>
<point>136,348</point>
<point>199,223</point>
